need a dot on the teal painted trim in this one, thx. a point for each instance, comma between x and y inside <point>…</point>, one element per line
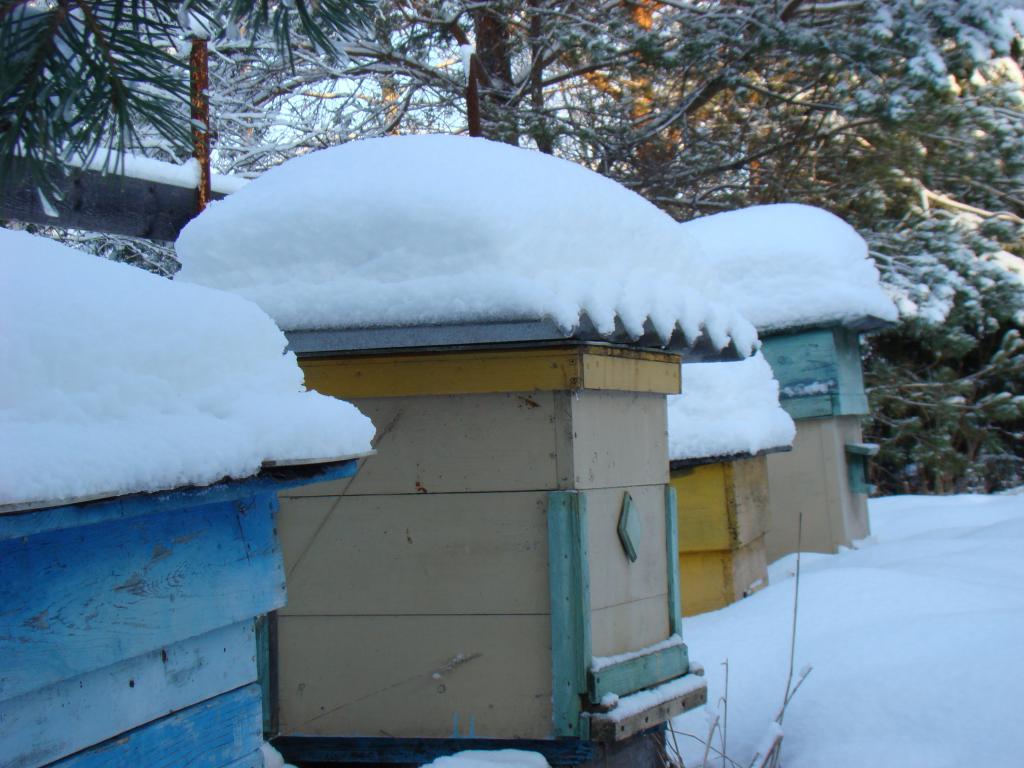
<point>639,673</point>
<point>675,620</point>
<point>857,467</point>
<point>629,528</point>
<point>802,360</point>
<point>848,362</point>
<point>569,585</point>
<point>850,404</point>
<point>813,407</point>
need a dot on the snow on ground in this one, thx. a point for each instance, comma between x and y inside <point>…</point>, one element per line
<point>727,409</point>
<point>790,265</point>
<point>410,230</point>
<point>914,639</point>
<point>116,380</point>
<point>475,758</point>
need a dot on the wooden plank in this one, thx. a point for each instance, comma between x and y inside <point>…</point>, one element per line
<point>103,203</point>
<point>388,750</point>
<point>614,580</point>
<point>713,580</point>
<point>569,585</point>
<point>436,554</point>
<point>749,483</point>
<point>607,728</point>
<point>618,439</point>
<point>446,444</point>
<point>704,513</point>
<point>629,626</point>
<point>564,368</point>
<point>651,372</point>
<point>415,676</point>
<point>49,723</point>
<point>803,360</point>
<point>675,622</point>
<point>808,407</point>
<point>80,599</point>
<point>222,731</point>
<point>638,673</point>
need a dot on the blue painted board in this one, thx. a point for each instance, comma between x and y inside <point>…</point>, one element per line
<point>15,524</point>
<point>49,723</point>
<point>220,732</point>
<point>79,599</point>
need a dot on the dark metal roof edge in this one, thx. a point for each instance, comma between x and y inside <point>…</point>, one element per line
<point>860,324</point>
<point>698,461</point>
<point>497,333</point>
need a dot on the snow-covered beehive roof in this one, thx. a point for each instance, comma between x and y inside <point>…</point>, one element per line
<point>790,266</point>
<point>117,381</point>
<point>418,231</point>
<point>727,410</point>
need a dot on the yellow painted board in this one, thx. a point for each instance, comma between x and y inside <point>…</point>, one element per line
<point>706,513</point>
<point>712,580</point>
<point>513,370</point>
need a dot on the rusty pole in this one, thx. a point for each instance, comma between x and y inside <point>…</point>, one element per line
<point>199,81</point>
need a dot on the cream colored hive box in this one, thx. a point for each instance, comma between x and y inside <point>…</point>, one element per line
<point>505,561</point>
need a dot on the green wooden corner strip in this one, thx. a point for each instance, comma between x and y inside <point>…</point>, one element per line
<point>675,622</point>
<point>810,407</point>
<point>569,583</point>
<point>639,673</point>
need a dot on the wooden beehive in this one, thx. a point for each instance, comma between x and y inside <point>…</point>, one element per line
<point>723,516</point>
<point>491,537</point>
<point>824,476</point>
<point>127,634</point>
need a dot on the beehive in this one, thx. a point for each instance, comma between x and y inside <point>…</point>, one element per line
<point>824,477</point>
<point>514,539</point>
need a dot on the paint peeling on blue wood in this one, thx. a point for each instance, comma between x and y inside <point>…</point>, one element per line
<point>47,724</point>
<point>213,734</point>
<point>15,524</point>
<point>80,599</point>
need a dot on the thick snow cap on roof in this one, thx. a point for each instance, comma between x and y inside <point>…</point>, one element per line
<point>727,409</point>
<point>420,230</point>
<point>115,381</point>
<point>790,265</point>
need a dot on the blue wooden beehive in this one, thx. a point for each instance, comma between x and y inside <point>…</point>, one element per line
<point>127,626</point>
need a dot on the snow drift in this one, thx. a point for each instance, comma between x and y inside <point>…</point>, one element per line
<point>116,380</point>
<point>417,230</point>
<point>789,265</point>
<point>727,409</point>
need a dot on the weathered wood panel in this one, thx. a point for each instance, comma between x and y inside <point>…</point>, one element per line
<point>813,478</point>
<point>619,439</point>
<point>614,580</point>
<point>466,443</point>
<point>415,676</point>
<point>224,732</point>
<point>462,553</point>
<point>568,368</point>
<point>704,514</point>
<point>629,626</point>
<point>79,599</point>
<point>750,498</point>
<point>713,580</point>
<point>638,673</point>
<point>46,724</point>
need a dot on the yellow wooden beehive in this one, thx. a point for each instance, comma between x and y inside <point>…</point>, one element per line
<point>723,515</point>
